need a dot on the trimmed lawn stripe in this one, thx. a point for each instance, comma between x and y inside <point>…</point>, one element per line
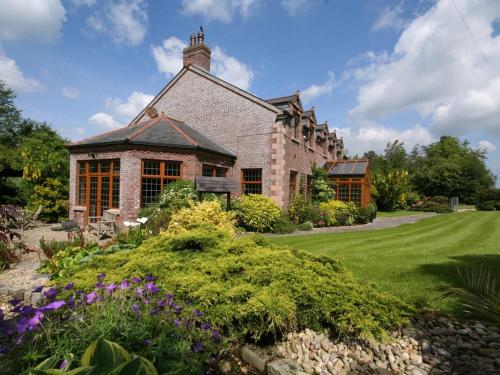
<point>414,260</point>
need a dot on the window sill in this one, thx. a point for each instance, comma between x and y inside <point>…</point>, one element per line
<point>295,140</point>
<point>79,208</point>
<point>310,148</point>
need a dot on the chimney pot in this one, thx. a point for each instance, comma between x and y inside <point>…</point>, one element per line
<point>197,53</point>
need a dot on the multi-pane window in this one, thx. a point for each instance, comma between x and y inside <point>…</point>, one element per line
<point>98,185</point>
<point>303,184</point>
<point>356,194</point>
<point>343,193</point>
<point>155,175</point>
<point>251,181</point>
<point>292,185</point>
<point>309,186</point>
<point>348,191</point>
<point>213,171</point>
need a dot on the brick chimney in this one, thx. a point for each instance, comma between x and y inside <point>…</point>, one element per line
<point>197,53</point>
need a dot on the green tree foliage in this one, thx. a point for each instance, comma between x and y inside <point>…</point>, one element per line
<point>450,167</point>
<point>321,189</point>
<point>390,190</point>
<point>31,153</point>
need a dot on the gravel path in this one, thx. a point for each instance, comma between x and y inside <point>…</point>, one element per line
<point>378,223</point>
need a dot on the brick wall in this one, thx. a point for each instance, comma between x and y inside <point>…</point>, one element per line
<point>130,176</point>
<point>242,126</point>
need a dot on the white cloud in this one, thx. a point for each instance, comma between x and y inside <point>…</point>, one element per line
<point>70,92</point>
<point>135,103</point>
<point>371,136</point>
<point>31,19</point>
<point>487,146</point>
<point>125,21</point>
<point>294,6</point>
<point>390,18</point>
<point>10,73</point>
<point>230,69</point>
<point>168,58</point>
<point>219,10</point>
<point>104,120</point>
<point>437,70</point>
<point>314,91</point>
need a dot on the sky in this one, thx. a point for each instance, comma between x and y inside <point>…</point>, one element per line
<point>376,70</point>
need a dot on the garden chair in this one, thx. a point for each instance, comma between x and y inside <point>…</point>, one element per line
<point>29,218</point>
<point>103,225</point>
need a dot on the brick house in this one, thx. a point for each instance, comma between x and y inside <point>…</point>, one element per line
<point>200,125</point>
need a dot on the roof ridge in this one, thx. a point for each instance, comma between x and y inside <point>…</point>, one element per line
<point>142,129</point>
<point>181,132</point>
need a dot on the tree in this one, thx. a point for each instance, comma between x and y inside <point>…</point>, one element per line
<point>390,190</point>
<point>395,156</point>
<point>321,189</point>
<point>450,167</point>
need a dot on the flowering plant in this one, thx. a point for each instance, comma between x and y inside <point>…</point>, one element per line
<point>135,313</point>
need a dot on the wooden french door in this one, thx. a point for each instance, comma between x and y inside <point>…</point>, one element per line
<point>98,186</point>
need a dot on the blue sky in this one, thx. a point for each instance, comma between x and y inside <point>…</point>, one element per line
<point>376,70</point>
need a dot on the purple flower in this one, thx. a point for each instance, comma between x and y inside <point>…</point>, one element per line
<point>91,297</point>
<point>14,302</point>
<point>64,364</point>
<point>206,326</point>
<point>169,296</point>
<point>139,292</point>
<point>111,288</point>
<point>216,336</point>
<point>161,303</point>
<point>136,280</point>
<point>71,302</point>
<point>177,322</point>
<point>38,290</point>
<point>197,313</point>
<point>135,308</point>
<point>35,321</point>
<point>148,342</point>
<point>69,286</point>
<point>149,278</point>
<point>152,288</point>
<point>154,311</point>
<point>124,284</point>
<point>101,276</point>
<point>178,309</point>
<point>100,285</point>
<point>198,347</point>
<point>51,293</point>
<point>22,325</point>
<point>53,306</point>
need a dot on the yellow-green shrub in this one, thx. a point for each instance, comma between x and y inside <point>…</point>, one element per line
<point>257,212</point>
<point>201,214</point>
<point>338,212</point>
<point>252,289</point>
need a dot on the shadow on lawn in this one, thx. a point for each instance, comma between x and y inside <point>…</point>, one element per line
<point>451,273</point>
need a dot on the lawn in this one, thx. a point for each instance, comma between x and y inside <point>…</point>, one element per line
<point>414,260</point>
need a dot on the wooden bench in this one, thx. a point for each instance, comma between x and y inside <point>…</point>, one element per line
<point>103,225</point>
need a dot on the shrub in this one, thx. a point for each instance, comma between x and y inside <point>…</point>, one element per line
<point>256,212</point>
<point>251,289</point>
<point>373,211</point>
<point>133,312</point>
<point>307,226</point>
<point>300,209</point>
<point>487,206</point>
<point>321,188</point>
<point>284,225</point>
<point>198,239</point>
<point>433,204</point>
<point>362,215</point>
<point>176,195</point>
<point>334,208</point>
<point>53,195</point>
<point>200,214</point>
<point>390,190</point>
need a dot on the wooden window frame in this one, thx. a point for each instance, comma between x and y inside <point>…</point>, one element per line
<point>250,182</point>
<point>292,184</point>
<point>349,182</point>
<point>162,176</point>
<point>87,174</point>
<point>214,169</point>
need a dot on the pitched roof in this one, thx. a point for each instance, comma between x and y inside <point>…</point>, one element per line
<point>205,74</point>
<point>347,167</point>
<point>161,131</point>
<point>283,101</point>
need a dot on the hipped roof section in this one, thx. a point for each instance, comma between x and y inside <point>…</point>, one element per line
<point>161,131</point>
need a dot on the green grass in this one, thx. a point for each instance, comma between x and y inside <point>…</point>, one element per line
<point>414,260</point>
<point>397,213</point>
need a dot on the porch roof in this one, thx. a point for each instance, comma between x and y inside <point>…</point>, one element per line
<point>160,131</point>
